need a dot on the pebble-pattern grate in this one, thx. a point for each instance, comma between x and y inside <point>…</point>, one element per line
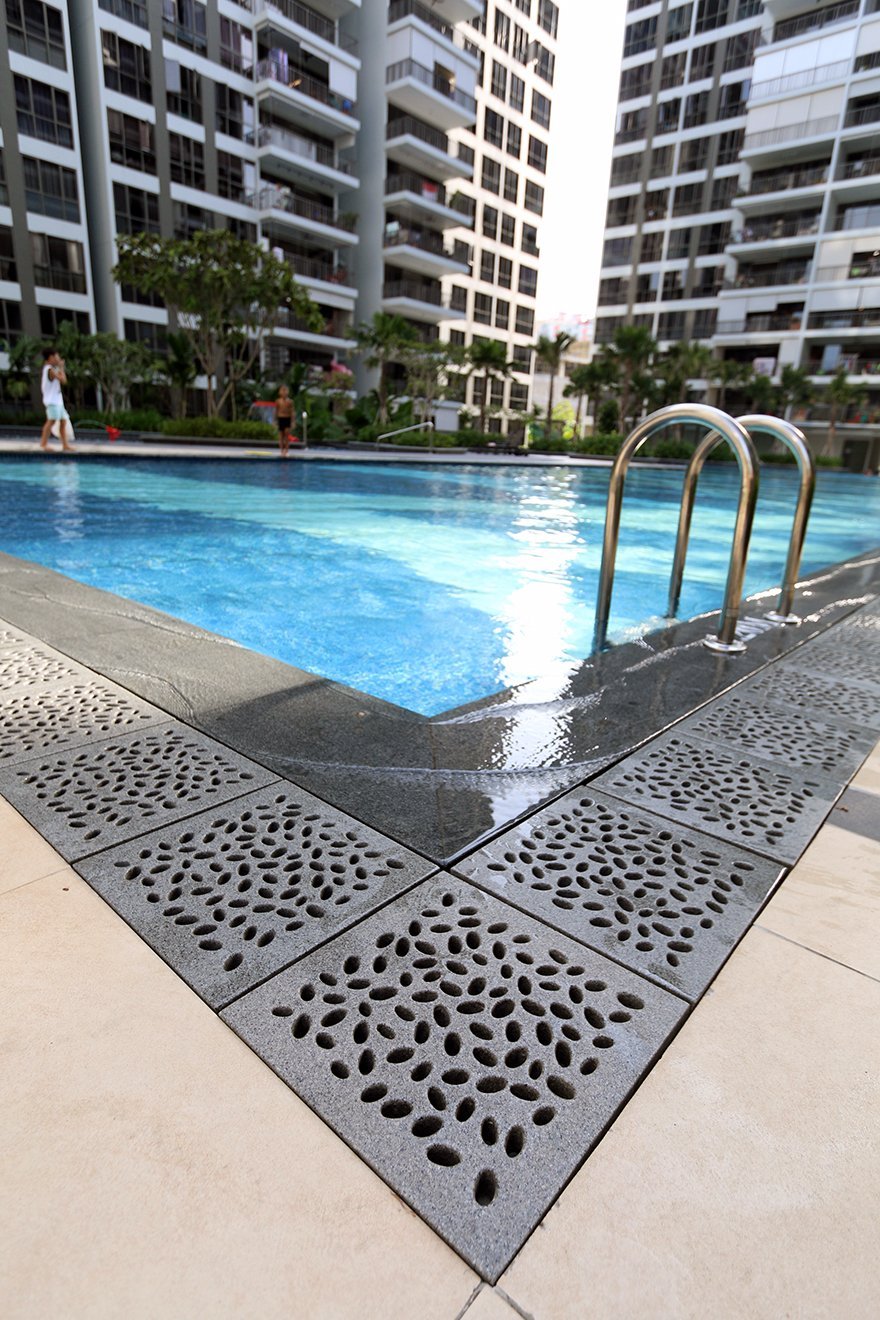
<point>751,803</point>
<point>664,901</point>
<point>794,739</point>
<point>230,896</point>
<point>786,688</point>
<point>847,654</point>
<point>87,799</point>
<point>30,666</point>
<point>471,1055</point>
<point>10,637</point>
<point>35,722</point>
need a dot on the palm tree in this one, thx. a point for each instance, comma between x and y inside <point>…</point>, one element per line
<point>488,356</point>
<point>631,351</point>
<point>841,394</point>
<point>727,374</point>
<point>549,353</point>
<point>761,391</point>
<point>682,363</point>
<point>379,342</point>
<point>179,366</point>
<point>795,387</point>
<point>587,382</point>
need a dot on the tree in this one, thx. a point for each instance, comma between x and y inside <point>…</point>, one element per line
<point>841,394</point>
<point>489,357</point>
<point>549,353</point>
<point>427,368</point>
<point>587,381</point>
<point>23,356</point>
<point>795,387</point>
<point>381,342</point>
<point>728,373</point>
<point>223,292</point>
<point>179,367</point>
<point>631,352</point>
<point>114,365</point>
<point>680,364</point>
<point>761,392</point>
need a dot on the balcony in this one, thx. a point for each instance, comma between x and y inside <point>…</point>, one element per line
<point>421,301</point>
<point>762,323</point>
<point>792,82</point>
<point>424,149</point>
<point>845,319</point>
<point>421,251</point>
<point>56,277</point>
<point>322,271</point>
<point>774,228</point>
<point>864,268</point>
<point>299,157</point>
<point>859,217</point>
<point>414,198</point>
<point>399,9</point>
<point>283,205</point>
<point>333,333</point>
<point>857,116</point>
<point>306,19</point>
<point>423,91</point>
<point>862,167</point>
<point>768,277</point>
<point>773,137</point>
<point>811,22</point>
<point>304,97</point>
<point>786,180</point>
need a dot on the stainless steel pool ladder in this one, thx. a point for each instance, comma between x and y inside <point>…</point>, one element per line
<point>722,427</point>
<point>796,442</point>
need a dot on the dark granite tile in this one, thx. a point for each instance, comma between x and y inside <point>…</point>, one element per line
<point>232,895</point>
<point>469,1054</point>
<point>667,902</point>
<point>89,798</point>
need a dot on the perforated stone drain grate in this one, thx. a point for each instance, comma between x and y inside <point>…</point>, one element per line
<point>751,803</point>
<point>28,666</point>
<point>34,722</point>
<point>793,738</point>
<point>848,654</point>
<point>229,896</point>
<point>468,1053</point>
<point>786,688</point>
<point>664,901</point>
<point>9,636</point>
<point>87,799</point>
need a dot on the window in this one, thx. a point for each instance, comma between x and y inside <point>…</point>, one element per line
<point>541,109</point>
<point>457,337</point>
<point>660,163</point>
<point>678,24</point>
<point>132,142</point>
<point>529,241</point>
<point>188,220</point>
<point>652,246</point>
<point>42,112</point>
<point>466,154</point>
<point>137,211</point>
<point>528,281</point>
<point>538,154</point>
<point>491,177</point>
<point>236,46</point>
<point>8,269</point>
<point>52,319</point>
<point>490,222</point>
<point>493,128</point>
<point>712,239</point>
<point>487,267</point>
<point>545,65</point>
<point>733,99</point>
<point>696,110</point>
<point>688,199</point>
<point>670,325</point>
<point>496,392</point>
<point>671,70</point>
<point>483,308</point>
<point>519,395</point>
<point>126,67</point>
<point>621,210</point>
<point>235,113</point>
<point>521,357</point>
<point>634,82</point>
<point>50,189</point>
<point>187,160</point>
<point>617,252</point>
<point>703,61</point>
<point>505,273</point>
<point>511,186</point>
<point>525,321</point>
<point>508,230</point>
<point>626,169</point>
<point>729,146</point>
<point>711,14</point>
<point>694,154</point>
<point>679,243</point>
<point>657,204</point>
<point>548,16</point>
<point>36,30</point>
<point>183,21</point>
<point>58,263</point>
<point>520,50</point>
<point>502,314</point>
<point>458,298</point>
<point>534,197</point>
<point>722,192</point>
<point>184,90</point>
<point>502,31</point>
<point>133,11</point>
<point>740,50</point>
<point>499,80</point>
<point>667,116</point>
<point>4,191</point>
<point>514,140</point>
<point>235,177</point>
<point>704,323</point>
<point>517,92</point>
<point>149,334</point>
<point>10,321</point>
<point>641,35</point>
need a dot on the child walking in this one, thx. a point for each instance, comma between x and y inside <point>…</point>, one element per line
<point>53,377</point>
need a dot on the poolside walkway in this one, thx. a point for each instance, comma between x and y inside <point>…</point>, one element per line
<point>155,1167</point>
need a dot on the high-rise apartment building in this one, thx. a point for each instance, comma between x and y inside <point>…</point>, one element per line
<point>744,206</point>
<point>357,139</point>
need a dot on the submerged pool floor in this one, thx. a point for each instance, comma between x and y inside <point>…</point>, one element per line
<point>429,587</point>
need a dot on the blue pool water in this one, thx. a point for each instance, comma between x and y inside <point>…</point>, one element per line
<point>428,586</point>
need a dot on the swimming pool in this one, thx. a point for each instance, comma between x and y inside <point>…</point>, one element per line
<point>428,586</point>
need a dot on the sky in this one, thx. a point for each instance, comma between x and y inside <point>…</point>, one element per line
<point>582,132</point>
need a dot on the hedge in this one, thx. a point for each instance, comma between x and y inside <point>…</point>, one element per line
<point>218,429</point>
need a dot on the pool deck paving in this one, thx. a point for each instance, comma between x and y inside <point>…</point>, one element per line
<point>619,1055</point>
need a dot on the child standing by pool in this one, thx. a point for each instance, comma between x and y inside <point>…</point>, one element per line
<point>53,377</point>
<point>283,419</point>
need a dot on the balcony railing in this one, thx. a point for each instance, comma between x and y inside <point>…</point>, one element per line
<point>426,293</point>
<point>800,226</point>
<point>785,180</point>
<point>335,325</point>
<point>52,277</point>
<point>845,320</point>
<point>867,269</point>
<point>770,137</point>
<point>430,191</point>
<point>769,322</point>
<point>426,240</point>
<point>859,217</point>
<point>133,11</point>
<point>312,268</point>
<point>431,78</point>
<point>411,8</point>
<point>313,22</point>
<point>862,114</point>
<point>407,125</point>
<point>282,199</point>
<point>280,72</point>
<point>270,135</point>
<point>795,27</point>
<point>766,277</point>
<point>792,81</point>
<point>863,167</point>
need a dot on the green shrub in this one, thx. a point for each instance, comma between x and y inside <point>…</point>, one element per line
<point>608,417</point>
<point>218,429</point>
<point>137,419</point>
<point>607,443</point>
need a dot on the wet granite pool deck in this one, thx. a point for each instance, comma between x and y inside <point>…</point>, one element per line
<point>463,941</point>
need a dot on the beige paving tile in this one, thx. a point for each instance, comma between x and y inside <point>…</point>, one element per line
<point>487,1305</point>
<point>831,900</point>
<point>743,1179</point>
<point>154,1167</point>
<point>24,854</point>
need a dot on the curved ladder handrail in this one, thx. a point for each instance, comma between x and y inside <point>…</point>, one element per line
<point>796,441</point>
<point>723,427</point>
